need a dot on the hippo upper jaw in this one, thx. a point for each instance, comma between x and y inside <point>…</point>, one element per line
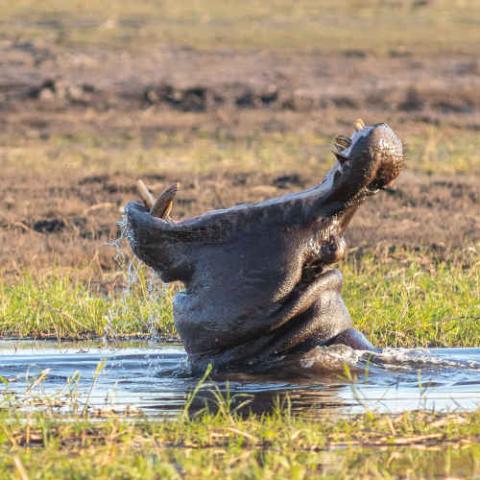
<point>368,160</point>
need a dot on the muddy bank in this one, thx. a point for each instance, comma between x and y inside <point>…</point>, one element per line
<point>46,78</point>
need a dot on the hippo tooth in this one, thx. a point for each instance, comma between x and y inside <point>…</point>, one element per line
<point>163,205</point>
<point>359,124</point>
<point>144,192</point>
<point>342,142</point>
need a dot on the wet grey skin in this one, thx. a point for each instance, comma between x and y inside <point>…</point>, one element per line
<point>260,287</point>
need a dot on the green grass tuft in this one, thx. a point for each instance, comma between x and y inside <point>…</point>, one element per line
<point>398,303</point>
<point>411,445</point>
<point>64,308</point>
<point>406,304</point>
<point>375,26</point>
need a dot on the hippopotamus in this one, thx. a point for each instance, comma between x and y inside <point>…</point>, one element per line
<point>260,281</point>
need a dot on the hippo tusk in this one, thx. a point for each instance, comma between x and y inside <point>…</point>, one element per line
<point>145,194</point>
<point>164,203</point>
<point>162,206</point>
<point>342,142</point>
<point>359,124</point>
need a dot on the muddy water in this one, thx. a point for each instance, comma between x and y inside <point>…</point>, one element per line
<point>155,379</point>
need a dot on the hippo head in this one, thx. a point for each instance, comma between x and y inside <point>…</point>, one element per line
<point>259,278</point>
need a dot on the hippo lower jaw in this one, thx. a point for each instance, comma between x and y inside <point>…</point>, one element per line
<point>312,315</point>
<point>259,278</point>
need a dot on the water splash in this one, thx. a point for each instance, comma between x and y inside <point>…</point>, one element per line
<point>137,276</point>
<point>407,359</point>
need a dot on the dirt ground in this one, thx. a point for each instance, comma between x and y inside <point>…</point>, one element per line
<point>64,216</point>
<point>431,89</point>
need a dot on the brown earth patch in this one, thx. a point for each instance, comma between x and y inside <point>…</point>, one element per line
<point>50,78</point>
<point>72,224</point>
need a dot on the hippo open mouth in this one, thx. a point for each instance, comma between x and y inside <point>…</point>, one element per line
<point>259,278</point>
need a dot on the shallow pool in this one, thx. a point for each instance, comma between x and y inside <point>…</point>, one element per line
<point>154,379</point>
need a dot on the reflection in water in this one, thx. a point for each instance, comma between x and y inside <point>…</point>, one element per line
<point>157,381</point>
